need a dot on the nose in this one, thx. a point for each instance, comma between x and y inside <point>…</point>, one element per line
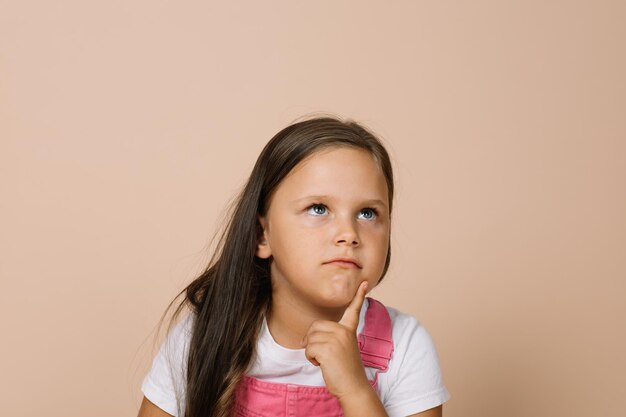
<point>346,233</point>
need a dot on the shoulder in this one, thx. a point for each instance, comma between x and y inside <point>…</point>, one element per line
<point>411,339</point>
<point>164,385</point>
<point>413,382</point>
<point>413,343</point>
<point>399,319</point>
<point>407,329</point>
<point>181,332</point>
<point>175,346</point>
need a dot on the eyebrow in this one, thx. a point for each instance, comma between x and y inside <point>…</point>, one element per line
<point>374,201</point>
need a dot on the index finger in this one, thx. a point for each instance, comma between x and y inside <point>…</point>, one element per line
<point>350,318</point>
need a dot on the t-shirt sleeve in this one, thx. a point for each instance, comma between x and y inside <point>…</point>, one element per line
<point>164,383</point>
<point>413,379</point>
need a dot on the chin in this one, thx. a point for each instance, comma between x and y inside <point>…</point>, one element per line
<point>340,296</point>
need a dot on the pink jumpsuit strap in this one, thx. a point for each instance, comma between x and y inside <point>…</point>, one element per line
<point>375,341</point>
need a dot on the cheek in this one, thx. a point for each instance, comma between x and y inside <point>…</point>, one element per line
<point>292,242</point>
<point>379,235</point>
<point>380,245</point>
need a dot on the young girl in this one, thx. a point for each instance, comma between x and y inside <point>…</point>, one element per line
<point>279,324</point>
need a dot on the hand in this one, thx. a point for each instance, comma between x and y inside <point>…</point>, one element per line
<point>334,347</point>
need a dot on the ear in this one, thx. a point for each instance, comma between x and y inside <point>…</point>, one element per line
<point>263,249</point>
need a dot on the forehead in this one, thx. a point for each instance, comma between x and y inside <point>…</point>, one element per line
<point>339,172</point>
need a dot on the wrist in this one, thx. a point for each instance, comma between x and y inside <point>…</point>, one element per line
<point>362,402</point>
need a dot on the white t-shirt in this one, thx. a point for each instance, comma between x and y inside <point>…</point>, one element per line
<point>411,384</point>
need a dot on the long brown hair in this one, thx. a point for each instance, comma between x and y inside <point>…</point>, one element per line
<point>229,300</point>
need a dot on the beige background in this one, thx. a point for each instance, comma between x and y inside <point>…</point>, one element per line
<point>127,126</point>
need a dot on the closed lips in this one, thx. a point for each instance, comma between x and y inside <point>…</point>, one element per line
<point>350,260</point>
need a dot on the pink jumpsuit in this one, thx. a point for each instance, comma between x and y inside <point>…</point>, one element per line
<point>258,398</point>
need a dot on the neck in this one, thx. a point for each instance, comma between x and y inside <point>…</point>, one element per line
<point>289,321</point>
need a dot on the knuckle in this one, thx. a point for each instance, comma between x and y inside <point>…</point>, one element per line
<point>316,325</point>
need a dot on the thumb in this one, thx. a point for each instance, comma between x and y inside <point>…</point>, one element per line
<point>350,318</point>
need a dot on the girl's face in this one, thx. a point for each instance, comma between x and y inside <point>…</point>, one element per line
<point>332,204</point>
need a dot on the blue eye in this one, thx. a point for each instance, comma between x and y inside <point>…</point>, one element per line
<point>317,206</point>
<point>373,212</point>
